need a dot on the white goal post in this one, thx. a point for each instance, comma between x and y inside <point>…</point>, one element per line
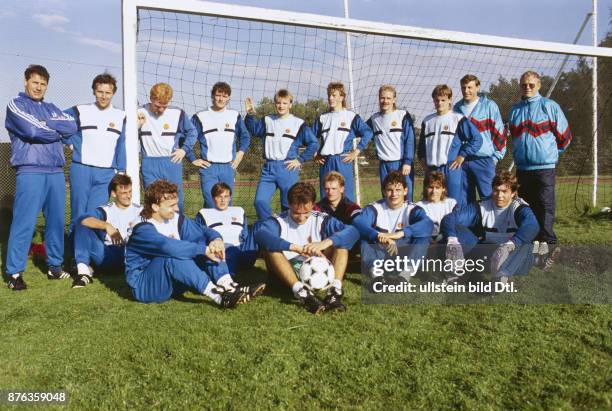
<point>347,25</point>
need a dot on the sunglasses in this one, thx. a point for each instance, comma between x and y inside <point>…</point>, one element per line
<point>530,85</point>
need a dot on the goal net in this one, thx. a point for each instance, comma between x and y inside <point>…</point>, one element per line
<point>259,51</point>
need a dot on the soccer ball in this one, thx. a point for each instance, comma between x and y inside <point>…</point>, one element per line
<point>317,273</point>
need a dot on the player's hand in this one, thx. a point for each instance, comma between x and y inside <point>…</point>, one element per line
<point>201,163</point>
<point>319,159</point>
<point>142,118</point>
<point>177,156</point>
<point>293,164</point>
<point>500,256</point>
<point>237,160</point>
<point>249,106</point>
<point>316,248</point>
<point>216,250</point>
<point>297,249</point>
<point>391,248</point>
<point>348,157</point>
<point>114,235</point>
<point>457,163</point>
<point>454,251</point>
<point>406,169</point>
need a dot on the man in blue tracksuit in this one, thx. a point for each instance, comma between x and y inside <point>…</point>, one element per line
<point>540,132</point>
<point>479,170</point>
<point>282,135</point>
<point>98,148</point>
<point>167,135</point>
<point>220,130</point>
<point>447,140</point>
<point>503,219</point>
<point>337,129</point>
<point>36,129</point>
<point>163,248</point>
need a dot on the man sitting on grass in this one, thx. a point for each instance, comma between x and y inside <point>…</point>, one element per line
<point>99,237</point>
<point>294,235</point>
<point>162,248</point>
<point>503,219</point>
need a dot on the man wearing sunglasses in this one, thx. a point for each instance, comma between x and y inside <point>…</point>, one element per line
<point>540,133</point>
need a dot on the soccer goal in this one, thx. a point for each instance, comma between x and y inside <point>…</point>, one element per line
<point>193,44</point>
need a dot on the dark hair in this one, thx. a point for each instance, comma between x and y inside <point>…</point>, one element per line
<point>219,188</point>
<point>301,193</point>
<point>158,191</point>
<point>36,69</point>
<point>505,177</point>
<point>469,77</point>
<point>119,180</point>
<point>435,178</point>
<point>283,93</point>
<point>104,78</point>
<point>221,87</point>
<point>393,178</point>
<point>442,90</point>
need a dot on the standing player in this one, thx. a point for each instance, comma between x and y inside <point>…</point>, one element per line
<point>447,138</point>
<point>161,252</point>
<point>166,136</point>
<point>335,203</point>
<point>219,131</point>
<point>478,172</point>
<point>393,222</point>
<point>36,129</point>
<point>98,148</point>
<point>540,133</point>
<point>295,234</point>
<point>394,138</point>
<point>435,202</point>
<point>231,223</point>
<point>336,129</point>
<point>99,236</point>
<point>504,219</point>
<point>282,135</point>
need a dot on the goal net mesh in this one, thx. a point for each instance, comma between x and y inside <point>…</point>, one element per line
<point>191,52</point>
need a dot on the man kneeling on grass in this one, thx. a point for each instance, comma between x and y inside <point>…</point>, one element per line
<point>294,235</point>
<point>162,250</point>
<point>99,237</point>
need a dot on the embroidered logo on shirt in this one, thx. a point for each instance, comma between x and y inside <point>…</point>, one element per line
<point>445,127</point>
<point>288,130</point>
<point>166,126</point>
<point>111,124</point>
<point>343,124</point>
<point>399,225</point>
<point>393,123</point>
<point>234,218</point>
<point>226,125</point>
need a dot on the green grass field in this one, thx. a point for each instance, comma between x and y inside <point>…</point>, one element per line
<point>109,352</point>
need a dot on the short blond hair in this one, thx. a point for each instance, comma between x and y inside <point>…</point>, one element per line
<point>442,90</point>
<point>283,93</point>
<point>530,73</point>
<point>161,92</point>
<point>334,176</point>
<point>388,87</point>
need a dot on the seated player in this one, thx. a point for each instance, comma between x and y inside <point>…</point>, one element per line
<point>447,138</point>
<point>337,129</point>
<point>335,203</point>
<point>220,130</point>
<point>391,223</point>
<point>289,238</point>
<point>231,222</point>
<point>435,202</point>
<point>394,138</point>
<point>282,135</point>
<point>166,135</point>
<point>99,236</point>
<point>504,219</point>
<point>161,253</point>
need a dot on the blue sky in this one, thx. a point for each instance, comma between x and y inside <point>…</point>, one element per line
<point>76,39</point>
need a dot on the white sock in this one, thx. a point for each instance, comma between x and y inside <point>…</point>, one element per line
<point>297,287</point>
<point>337,284</point>
<point>17,275</point>
<point>226,282</point>
<point>209,292</point>
<point>83,269</point>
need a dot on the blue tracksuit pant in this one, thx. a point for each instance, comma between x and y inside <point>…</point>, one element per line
<point>33,192</point>
<point>335,163</point>
<point>155,168</point>
<point>89,248</point>
<point>88,189</point>
<point>165,277</point>
<point>385,167</point>
<point>415,249</point>
<point>274,174</point>
<point>478,175</point>
<point>216,173</point>
<point>454,182</point>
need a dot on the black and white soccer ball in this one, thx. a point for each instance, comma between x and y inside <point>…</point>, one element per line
<point>317,273</point>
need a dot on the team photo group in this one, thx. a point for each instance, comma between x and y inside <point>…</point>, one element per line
<point>466,199</point>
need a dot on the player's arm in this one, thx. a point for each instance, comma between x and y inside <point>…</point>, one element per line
<point>419,224</point>
<point>408,143</point>
<point>308,139</point>
<point>27,127</point>
<point>187,135</point>
<point>528,226</point>
<point>255,126</point>
<point>120,155</point>
<point>560,127</point>
<point>268,236</point>
<point>74,113</point>
<point>466,216</point>
<point>470,136</point>
<point>96,220</point>
<point>341,235</point>
<point>244,140</point>
<point>363,223</point>
<point>421,151</point>
<point>145,239</point>
<point>63,123</point>
<point>361,129</point>
<point>498,133</point>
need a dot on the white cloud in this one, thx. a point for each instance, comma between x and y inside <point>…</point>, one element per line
<point>50,20</point>
<point>103,44</point>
